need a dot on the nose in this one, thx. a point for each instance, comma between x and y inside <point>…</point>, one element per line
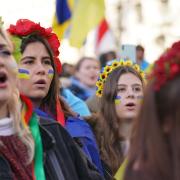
<point>2,62</point>
<point>130,93</point>
<point>40,69</point>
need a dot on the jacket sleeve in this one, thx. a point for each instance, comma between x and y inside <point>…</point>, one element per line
<point>85,169</point>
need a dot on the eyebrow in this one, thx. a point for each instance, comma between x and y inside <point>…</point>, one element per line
<point>27,57</point>
<point>32,57</point>
<point>3,46</point>
<point>136,84</point>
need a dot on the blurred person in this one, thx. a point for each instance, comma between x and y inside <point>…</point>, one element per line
<point>155,148</point>
<point>107,56</point>
<point>84,81</point>
<point>75,103</point>
<point>38,63</point>
<point>120,89</point>
<point>68,70</point>
<point>16,142</point>
<point>140,59</point>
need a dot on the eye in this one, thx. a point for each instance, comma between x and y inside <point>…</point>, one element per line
<point>5,53</point>
<point>47,61</point>
<point>121,89</point>
<point>28,62</point>
<point>137,89</point>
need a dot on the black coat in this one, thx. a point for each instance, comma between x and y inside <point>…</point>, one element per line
<point>64,159</point>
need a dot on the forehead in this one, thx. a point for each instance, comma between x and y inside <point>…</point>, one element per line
<point>3,42</point>
<point>89,62</point>
<point>129,79</point>
<point>35,48</point>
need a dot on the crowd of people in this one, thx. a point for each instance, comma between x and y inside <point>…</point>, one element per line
<point>104,118</point>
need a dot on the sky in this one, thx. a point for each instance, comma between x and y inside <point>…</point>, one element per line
<point>36,10</point>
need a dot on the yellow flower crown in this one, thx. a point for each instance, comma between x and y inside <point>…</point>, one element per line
<point>111,67</point>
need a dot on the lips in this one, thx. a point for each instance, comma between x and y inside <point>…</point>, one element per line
<point>40,83</point>
<point>130,106</point>
<point>3,79</point>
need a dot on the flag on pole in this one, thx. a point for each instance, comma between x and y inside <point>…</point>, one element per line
<point>87,14</point>
<point>62,17</point>
<point>102,29</point>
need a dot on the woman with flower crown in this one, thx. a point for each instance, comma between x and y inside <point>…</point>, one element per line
<point>16,142</point>
<point>36,51</point>
<point>120,89</point>
<point>155,149</point>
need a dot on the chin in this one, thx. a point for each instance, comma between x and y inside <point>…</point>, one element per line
<point>37,95</point>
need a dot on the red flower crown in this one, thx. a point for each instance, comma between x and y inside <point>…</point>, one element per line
<point>25,27</point>
<point>167,66</point>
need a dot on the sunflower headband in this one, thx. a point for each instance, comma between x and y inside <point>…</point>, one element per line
<point>111,67</point>
<point>25,28</point>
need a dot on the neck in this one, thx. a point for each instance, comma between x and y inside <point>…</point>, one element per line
<point>36,103</point>
<point>3,111</point>
<point>125,129</point>
<point>138,61</point>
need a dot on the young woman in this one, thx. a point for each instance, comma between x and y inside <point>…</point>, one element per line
<point>83,83</point>
<point>155,149</point>
<point>37,56</point>
<point>120,89</point>
<point>16,142</point>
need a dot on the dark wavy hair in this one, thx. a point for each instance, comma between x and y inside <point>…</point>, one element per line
<point>49,102</point>
<point>155,148</point>
<point>108,125</point>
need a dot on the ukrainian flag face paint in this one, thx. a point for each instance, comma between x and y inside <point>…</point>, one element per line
<point>117,100</point>
<point>23,73</point>
<point>50,73</point>
<point>140,98</point>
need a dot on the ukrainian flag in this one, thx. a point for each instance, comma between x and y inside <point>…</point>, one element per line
<point>87,15</point>
<point>61,20</point>
<point>23,74</point>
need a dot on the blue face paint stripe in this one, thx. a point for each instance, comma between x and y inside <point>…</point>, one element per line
<point>23,71</point>
<point>51,71</point>
<point>117,100</point>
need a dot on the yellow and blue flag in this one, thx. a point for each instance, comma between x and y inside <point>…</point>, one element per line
<point>87,15</point>
<point>62,18</point>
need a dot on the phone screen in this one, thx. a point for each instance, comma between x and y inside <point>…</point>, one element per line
<point>128,51</point>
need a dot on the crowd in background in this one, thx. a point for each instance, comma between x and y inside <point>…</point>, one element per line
<point>103,118</point>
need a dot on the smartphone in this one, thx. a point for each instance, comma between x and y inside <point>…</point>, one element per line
<point>128,51</point>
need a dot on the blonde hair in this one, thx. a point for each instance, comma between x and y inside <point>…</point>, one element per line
<point>14,108</point>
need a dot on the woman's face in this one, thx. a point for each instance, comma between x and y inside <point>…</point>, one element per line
<point>129,96</point>
<point>7,66</point>
<point>35,71</point>
<point>88,72</point>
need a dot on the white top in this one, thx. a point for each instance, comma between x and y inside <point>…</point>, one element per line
<point>6,127</point>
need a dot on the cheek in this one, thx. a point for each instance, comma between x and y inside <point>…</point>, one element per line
<point>140,99</point>
<point>50,74</point>
<point>23,73</point>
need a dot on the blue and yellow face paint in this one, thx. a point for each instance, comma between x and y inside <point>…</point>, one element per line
<point>23,73</point>
<point>51,73</point>
<point>117,100</point>
<point>140,98</point>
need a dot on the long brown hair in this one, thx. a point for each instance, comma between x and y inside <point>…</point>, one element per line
<point>107,132</point>
<point>155,148</point>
